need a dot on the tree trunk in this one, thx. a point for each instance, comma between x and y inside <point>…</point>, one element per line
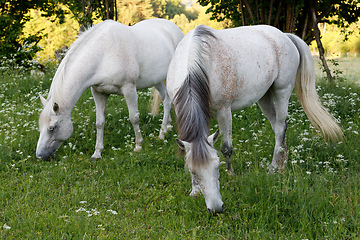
<point>270,12</point>
<point>248,7</point>
<point>115,11</point>
<point>276,21</point>
<point>319,43</point>
<point>110,9</point>
<point>107,9</point>
<point>321,53</point>
<point>242,13</point>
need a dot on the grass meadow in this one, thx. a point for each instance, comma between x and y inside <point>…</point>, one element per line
<point>145,195</point>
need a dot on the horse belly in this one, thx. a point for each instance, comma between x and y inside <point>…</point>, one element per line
<point>108,89</point>
<point>247,100</point>
<point>150,76</point>
<point>240,97</point>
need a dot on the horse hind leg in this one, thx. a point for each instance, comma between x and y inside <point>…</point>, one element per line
<point>166,123</point>
<point>131,99</point>
<point>100,103</point>
<point>276,112</point>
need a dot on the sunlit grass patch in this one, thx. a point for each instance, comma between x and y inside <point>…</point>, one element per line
<point>146,195</point>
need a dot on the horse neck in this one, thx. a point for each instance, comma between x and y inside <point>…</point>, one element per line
<point>66,90</point>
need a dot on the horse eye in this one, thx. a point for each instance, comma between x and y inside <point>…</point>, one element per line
<point>52,128</point>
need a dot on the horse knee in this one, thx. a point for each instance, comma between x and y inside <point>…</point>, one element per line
<point>166,101</point>
<point>135,119</point>
<point>100,124</point>
<point>226,149</point>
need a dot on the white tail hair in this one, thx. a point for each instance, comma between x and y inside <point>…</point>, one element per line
<point>306,92</point>
<point>155,101</point>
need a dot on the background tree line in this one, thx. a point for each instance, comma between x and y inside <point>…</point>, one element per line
<point>300,17</point>
<point>28,25</point>
<point>31,26</point>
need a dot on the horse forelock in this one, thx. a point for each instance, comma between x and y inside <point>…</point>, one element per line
<point>192,101</point>
<point>45,116</point>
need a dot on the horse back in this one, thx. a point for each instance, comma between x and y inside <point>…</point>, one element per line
<point>120,54</point>
<point>246,61</point>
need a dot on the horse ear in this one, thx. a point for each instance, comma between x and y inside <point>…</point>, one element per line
<point>43,100</point>
<point>185,146</point>
<point>56,107</point>
<point>213,138</point>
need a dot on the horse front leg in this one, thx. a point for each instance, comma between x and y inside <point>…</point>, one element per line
<point>166,122</point>
<point>131,99</point>
<point>100,103</point>
<point>224,119</point>
<point>281,103</point>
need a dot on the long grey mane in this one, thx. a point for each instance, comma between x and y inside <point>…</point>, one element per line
<point>192,101</point>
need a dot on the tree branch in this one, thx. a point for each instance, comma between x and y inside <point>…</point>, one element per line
<point>242,13</point>
<point>319,44</point>
<point>249,9</point>
<point>270,12</point>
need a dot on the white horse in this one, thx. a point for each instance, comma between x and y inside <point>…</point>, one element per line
<point>215,72</point>
<point>111,58</point>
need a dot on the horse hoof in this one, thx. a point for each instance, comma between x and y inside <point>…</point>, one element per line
<point>194,194</point>
<point>229,168</point>
<point>230,171</point>
<point>96,156</point>
<point>161,136</point>
<point>137,148</point>
<point>272,169</point>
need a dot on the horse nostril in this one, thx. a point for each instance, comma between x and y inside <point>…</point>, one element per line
<point>215,211</point>
<point>210,211</point>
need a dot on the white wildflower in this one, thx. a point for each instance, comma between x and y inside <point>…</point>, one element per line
<point>81,210</point>
<point>6,226</point>
<point>112,211</point>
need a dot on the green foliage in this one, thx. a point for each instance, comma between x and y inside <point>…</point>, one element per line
<point>287,15</point>
<point>56,35</point>
<point>84,12</point>
<point>144,195</point>
<point>131,12</point>
<point>170,8</point>
<point>16,49</point>
<point>186,24</point>
<point>20,46</point>
<point>54,24</point>
<point>336,72</point>
<point>337,44</point>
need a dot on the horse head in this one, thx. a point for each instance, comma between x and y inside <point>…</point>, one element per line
<point>54,126</point>
<point>205,178</point>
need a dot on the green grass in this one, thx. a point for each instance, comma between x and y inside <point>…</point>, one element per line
<point>146,195</point>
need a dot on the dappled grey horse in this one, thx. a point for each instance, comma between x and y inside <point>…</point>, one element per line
<point>215,72</point>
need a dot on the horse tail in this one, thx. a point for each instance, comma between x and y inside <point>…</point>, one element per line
<point>192,101</point>
<point>155,101</point>
<point>306,93</point>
